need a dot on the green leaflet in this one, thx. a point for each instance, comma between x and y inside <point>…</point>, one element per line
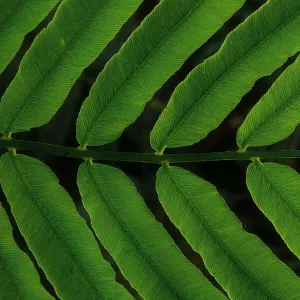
<point>145,253</point>
<point>241,263</point>
<point>276,115</point>
<point>18,277</point>
<point>18,17</point>
<point>156,50</point>
<point>254,49</point>
<point>275,189</point>
<point>58,237</point>
<point>75,37</point>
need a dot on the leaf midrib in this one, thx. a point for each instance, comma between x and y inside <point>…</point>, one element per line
<point>138,70</point>
<point>135,243</point>
<point>219,241</point>
<point>58,234</point>
<point>219,78</point>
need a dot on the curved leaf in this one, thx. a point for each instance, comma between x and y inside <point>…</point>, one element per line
<point>254,49</point>
<point>241,263</point>
<point>58,237</point>
<point>145,253</point>
<point>18,277</point>
<point>275,189</point>
<point>276,115</point>
<point>77,34</point>
<point>156,50</point>
<point>17,18</point>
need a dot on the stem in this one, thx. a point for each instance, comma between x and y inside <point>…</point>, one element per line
<point>145,157</point>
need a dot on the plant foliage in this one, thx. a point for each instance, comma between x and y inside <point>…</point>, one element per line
<point>254,49</point>
<point>47,71</point>
<point>212,230</point>
<point>58,237</point>
<point>120,217</point>
<point>150,56</point>
<point>276,115</point>
<point>17,18</point>
<point>275,189</point>
<point>19,279</point>
<point>60,240</point>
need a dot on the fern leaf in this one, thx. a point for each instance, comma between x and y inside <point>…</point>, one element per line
<point>145,253</point>
<point>57,236</point>
<point>275,189</point>
<point>241,263</point>
<point>17,18</point>
<point>276,115</point>
<point>78,33</point>
<point>254,49</point>
<point>18,277</point>
<point>158,48</point>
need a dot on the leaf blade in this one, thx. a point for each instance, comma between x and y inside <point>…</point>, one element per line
<point>254,49</point>
<point>144,63</point>
<point>275,190</point>
<point>19,279</point>
<point>276,115</point>
<point>212,230</point>
<point>16,20</point>
<point>143,250</point>
<point>56,59</point>
<point>57,236</point>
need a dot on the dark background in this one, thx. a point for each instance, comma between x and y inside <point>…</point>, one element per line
<point>228,177</point>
